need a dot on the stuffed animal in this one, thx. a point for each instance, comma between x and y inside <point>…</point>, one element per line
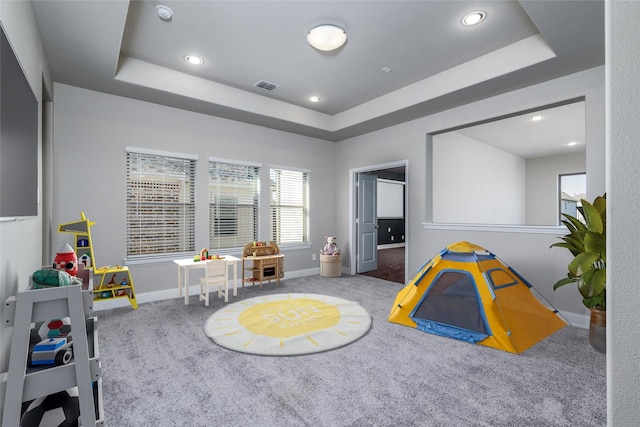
<point>66,260</point>
<point>331,248</point>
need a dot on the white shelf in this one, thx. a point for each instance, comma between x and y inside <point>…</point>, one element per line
<point>84,370</point>
<point>40,381</point>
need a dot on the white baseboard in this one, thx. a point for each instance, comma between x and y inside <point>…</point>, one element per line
<point>575,319</point>
<point>165,294</point>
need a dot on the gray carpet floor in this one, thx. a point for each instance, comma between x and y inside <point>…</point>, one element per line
<point>159,369</point>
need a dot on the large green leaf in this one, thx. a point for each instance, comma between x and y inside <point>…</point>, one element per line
<point>596,301</point>
<point>575,240</point>
<point>574,245</point>
<point>582,263</point>
<point>598,281</point>
<point>592,282</point>
<point>572,228</point>
<point>564,281</point>
<point>594,242</point>
<point>574,224</point>
<point>600,203</point>
<point>593,217</point>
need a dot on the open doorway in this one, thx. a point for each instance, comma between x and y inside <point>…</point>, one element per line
<point>384,256</point>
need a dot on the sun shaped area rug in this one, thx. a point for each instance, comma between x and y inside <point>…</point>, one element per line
<point>288,324</point>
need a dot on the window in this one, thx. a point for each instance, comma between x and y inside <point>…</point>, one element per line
<point>289,206</point>
<point>223,213</point>
<point>573,188</point>
<point>234,194</point>
<point>160,203</point>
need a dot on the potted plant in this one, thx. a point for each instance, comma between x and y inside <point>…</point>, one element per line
<point>587,241</point>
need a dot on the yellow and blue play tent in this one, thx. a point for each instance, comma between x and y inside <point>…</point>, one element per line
<point>468,293</point>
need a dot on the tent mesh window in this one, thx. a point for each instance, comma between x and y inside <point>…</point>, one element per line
<point>452,300</point>
<point>500,279</point>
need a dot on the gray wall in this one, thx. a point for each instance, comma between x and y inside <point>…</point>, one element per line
<point>21,241</point>
<point>527,252</point>
<point>476,183</point>
<point>91,131</point>
<point>542,185</point>
<point>623,158</point>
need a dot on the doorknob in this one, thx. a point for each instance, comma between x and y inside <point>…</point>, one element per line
<point>377,226</point>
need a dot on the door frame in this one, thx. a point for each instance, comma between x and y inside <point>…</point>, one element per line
<point>353,197</point>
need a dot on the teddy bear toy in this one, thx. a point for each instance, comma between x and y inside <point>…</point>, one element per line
<point>330,248</point>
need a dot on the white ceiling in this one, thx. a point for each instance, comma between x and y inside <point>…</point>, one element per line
<point>124,48</point>
<point>561,130</point>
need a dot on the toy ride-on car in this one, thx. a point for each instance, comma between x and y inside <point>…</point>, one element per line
<point>52,351</point>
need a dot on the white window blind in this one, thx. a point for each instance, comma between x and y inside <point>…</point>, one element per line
<point>234,195</point>
<point>289,206</point>
<point>160,204</point>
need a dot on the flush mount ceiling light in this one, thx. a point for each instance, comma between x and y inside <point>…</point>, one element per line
<point>473,18</point>
<point>326,37</point>
<point>164,12</point>
<point>536,118</point>
<point>315,98</point>
<point>194,60</point>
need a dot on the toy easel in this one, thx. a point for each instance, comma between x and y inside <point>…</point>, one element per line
<point>119,283</point>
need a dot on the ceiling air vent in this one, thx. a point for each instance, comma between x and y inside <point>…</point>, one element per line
<point>263,84</point>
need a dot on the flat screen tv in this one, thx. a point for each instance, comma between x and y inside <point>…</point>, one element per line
<point>18,138</point>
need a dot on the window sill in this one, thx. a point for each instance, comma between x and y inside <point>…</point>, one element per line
<point>230,251</point>
<point>524,229</point>
<point>171,257</point>
<point>294,246</point>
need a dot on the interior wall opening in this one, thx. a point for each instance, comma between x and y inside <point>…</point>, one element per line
<point>505,171</point>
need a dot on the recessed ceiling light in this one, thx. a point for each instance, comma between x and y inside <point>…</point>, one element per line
<point>473,18</point>
<point>386,69</point>
<point>194,60</point>
<point>326,37</point>
<point>572,143</point>
<point>315,98</point>
<point>536,118</point>
<point>164,12</point>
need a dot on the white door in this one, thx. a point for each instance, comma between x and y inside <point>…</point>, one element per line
<point>367,223</point>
